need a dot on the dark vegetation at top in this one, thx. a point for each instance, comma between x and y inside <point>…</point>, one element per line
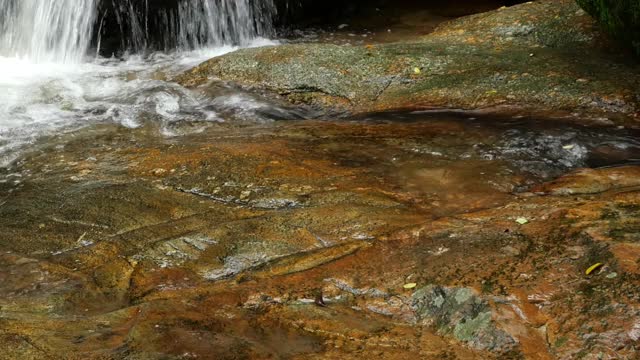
<point>621,18</point>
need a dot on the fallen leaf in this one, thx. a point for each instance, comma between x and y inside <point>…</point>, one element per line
<point>522,221</point>
<point>410,286</point>
<point>593,268</point>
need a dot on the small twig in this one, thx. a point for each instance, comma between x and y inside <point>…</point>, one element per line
<point>81,237</point>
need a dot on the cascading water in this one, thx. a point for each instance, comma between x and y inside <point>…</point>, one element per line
<point>206,23</point>
<point>46,31</point>
<point>189,24</point>
<point>61,31</point>
<point>50,83</point>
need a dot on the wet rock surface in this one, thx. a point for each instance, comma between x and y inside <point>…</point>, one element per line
<point>544,57</point>
<point>295,239</point>
<point>215,232</point>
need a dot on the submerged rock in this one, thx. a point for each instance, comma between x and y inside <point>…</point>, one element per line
<point>462,313</point>
<point>296,240</point>
<point>592,181</point>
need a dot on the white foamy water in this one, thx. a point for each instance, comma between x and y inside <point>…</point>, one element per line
<point>47,98</point>
<point>47,84</point>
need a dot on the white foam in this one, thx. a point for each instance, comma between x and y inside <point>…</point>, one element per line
<point>45,98</point>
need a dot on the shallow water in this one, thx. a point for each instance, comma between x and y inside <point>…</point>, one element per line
<point>544,148</point>
<point>42,100</point>
<point>45,98</point>
<point>131,205</point>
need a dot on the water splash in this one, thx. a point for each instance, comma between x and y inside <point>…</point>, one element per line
<point>49,85</point>
<point>41,99</point>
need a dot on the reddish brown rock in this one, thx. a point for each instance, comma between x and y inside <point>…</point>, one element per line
<point>593,181</point>
<point>229,250</point>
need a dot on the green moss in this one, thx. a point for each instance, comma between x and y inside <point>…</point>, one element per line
<point>561,341</point>
<point>468,330</point>
<point>630,208</point>
<point>609,214</point>
<point>621,18</point>
<point>624,232</point>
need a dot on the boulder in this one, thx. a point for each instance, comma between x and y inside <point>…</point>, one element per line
<point>545,56</point>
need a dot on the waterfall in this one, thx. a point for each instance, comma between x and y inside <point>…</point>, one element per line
<point>206,23</point>
<point>46,30</point>
<point>61,31</point>
<point>135,20</point>
<point>62,68</point>
<point>190,24</point>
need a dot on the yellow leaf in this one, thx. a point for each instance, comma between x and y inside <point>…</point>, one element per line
<point>417,70</point>
<point>593,267</point>
<point>410,286</point>
<point>522,221</point>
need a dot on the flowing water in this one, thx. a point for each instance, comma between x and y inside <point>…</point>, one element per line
<point>46,31</point>
<point>194,24</point>
<point>124,195</point>
<point>50,81</point>
<point>51,84</point>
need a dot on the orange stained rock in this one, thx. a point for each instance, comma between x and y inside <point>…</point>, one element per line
<point>627,256</point>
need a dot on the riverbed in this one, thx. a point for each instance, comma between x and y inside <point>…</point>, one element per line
<point>145,219</point>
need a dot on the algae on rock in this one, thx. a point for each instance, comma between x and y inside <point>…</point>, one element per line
<point>459,311</point>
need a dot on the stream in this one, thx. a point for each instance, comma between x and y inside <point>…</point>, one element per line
<point>45,98</point>
<point>141,219</point>
<point>51,85</point>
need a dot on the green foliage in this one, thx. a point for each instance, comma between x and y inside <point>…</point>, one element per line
<point>621,18</point>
